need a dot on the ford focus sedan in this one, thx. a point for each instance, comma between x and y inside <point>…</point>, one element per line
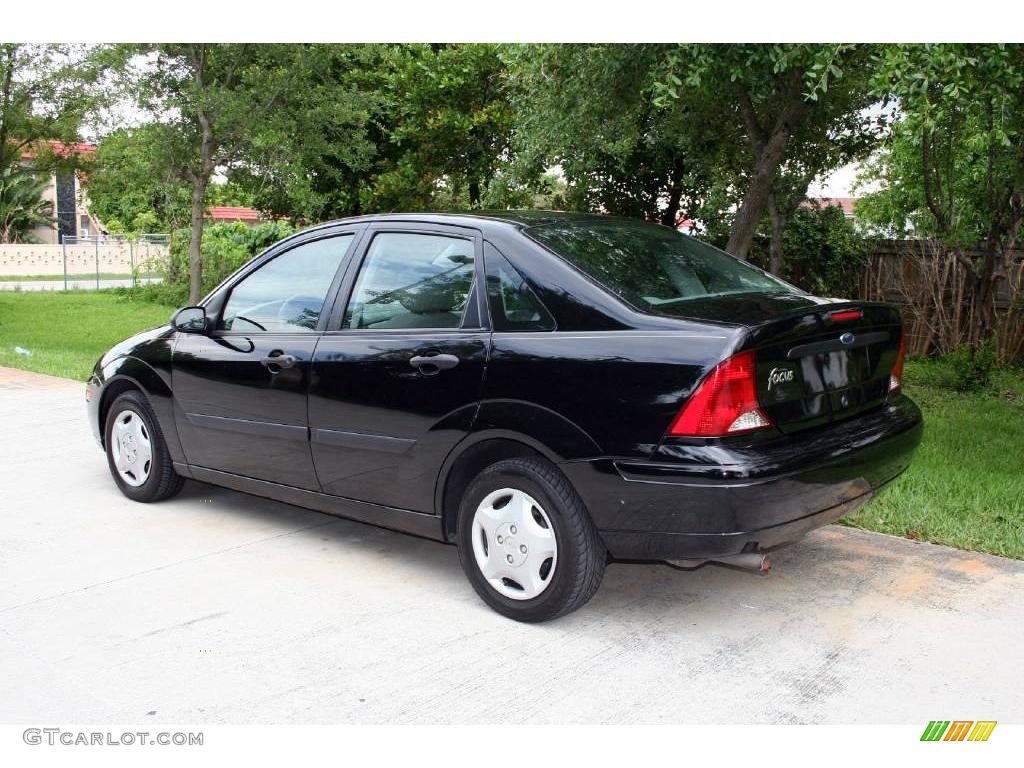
<point>546,391</point>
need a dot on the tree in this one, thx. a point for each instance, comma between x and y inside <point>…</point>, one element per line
<point>134,183</point>
<point>454,121</point>
<point>709,131</point>
<point>213,102</point>
<point>46,91</point>
<point>386,127</point>
<point>824,254</point>
<point>785,97</point>
<point>319,157</point>
<point>593,111</point>
<point>953,169</point>
<point>841,132</point>
<point>22,207</point>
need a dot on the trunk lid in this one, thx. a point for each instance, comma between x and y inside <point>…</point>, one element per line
<point>818,360</point>
<point>826,364</point>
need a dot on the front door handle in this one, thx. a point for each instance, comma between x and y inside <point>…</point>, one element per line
<point>277,360</point>
<point>431,364</point>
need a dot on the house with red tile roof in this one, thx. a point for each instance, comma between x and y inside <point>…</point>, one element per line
<point>846,203</point>
<point>65,194</point>
<point>229,213</point>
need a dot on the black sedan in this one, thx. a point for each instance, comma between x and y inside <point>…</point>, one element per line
<point>548,391</point>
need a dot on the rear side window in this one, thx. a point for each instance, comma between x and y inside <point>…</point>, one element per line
<point>514,306</point>
<point>412,280</point>
<point>286,295</point>
<point>652,267</point>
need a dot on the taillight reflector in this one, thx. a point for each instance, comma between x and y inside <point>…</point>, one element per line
<point>725,403</point>
<point>896,376</point>
<point>844,315</point>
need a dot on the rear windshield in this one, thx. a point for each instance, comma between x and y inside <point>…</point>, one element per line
<point>652,267</point>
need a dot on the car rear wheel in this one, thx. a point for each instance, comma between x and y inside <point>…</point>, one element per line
<point>136,452</point>
<point>527,543</point>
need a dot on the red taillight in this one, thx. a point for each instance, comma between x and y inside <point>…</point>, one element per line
<point>725,403</point>
<point>896,377</point>
<point>845,315</point>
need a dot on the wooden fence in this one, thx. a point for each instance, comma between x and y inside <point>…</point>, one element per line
<point>931,286</point>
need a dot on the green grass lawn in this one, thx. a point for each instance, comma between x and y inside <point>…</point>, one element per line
<point>66,332</point>
<point>964,488</point>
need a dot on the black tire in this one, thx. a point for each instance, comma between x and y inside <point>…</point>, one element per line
<point>581,555</point>
<point>163,482</point>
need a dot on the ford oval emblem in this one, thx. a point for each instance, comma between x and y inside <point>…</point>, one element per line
<point>847,338</point>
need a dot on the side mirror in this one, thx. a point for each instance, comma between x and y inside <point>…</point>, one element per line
<point>189,320</point>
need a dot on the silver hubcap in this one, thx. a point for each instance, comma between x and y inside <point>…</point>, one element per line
<point>131,448</point>
<point>514,544</point>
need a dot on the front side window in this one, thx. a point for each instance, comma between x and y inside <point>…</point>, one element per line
<point>287,293</point>
<point>653,268</point>
<point>412,280</point>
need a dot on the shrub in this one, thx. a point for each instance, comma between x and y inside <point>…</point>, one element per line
<point>823,253</point>
<point>226,247</point>
<point>973,366</point>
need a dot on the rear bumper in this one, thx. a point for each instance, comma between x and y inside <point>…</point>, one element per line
<point>712,501</point>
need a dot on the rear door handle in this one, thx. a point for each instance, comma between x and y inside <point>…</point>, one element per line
<point>431,364</point>
<point>277,360</point>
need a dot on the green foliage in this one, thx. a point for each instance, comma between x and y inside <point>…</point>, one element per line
<point>956,154</point>
<point>508,191</point>
<point>226,247</point>
<point>954,164</point>
<point>134,183</point>
<point>973,366</point>
<point>384,127</point>
<point>591,110</point>
<point>451,128</point>
<point>824,255</point>
<point>46,93</point>
<point>954,168</point>
<point>21,206</point>
<point>314,160</point>
<point>660,131</point>
<point>136,186</point>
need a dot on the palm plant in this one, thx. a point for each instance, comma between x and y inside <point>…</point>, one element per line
<point>22,207</point>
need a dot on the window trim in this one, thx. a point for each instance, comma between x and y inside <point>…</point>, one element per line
<point>222,294</point>
<point>337,314</point>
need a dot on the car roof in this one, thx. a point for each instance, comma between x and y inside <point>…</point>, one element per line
<point>518,219</point>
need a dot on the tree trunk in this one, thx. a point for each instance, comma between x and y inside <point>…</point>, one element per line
<point>474,193</point>
<point>200,181</point>
<point>769,146</point>
<point>195,245</point>
<point>5,102</point>
<point>675,196</point>
<point>778,219</point>
<point>766,167</point>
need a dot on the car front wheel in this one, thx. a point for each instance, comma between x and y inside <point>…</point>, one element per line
<point>527,543</point>
<point>136,452</point>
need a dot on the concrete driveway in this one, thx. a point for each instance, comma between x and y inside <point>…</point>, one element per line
<point>222,608</point>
